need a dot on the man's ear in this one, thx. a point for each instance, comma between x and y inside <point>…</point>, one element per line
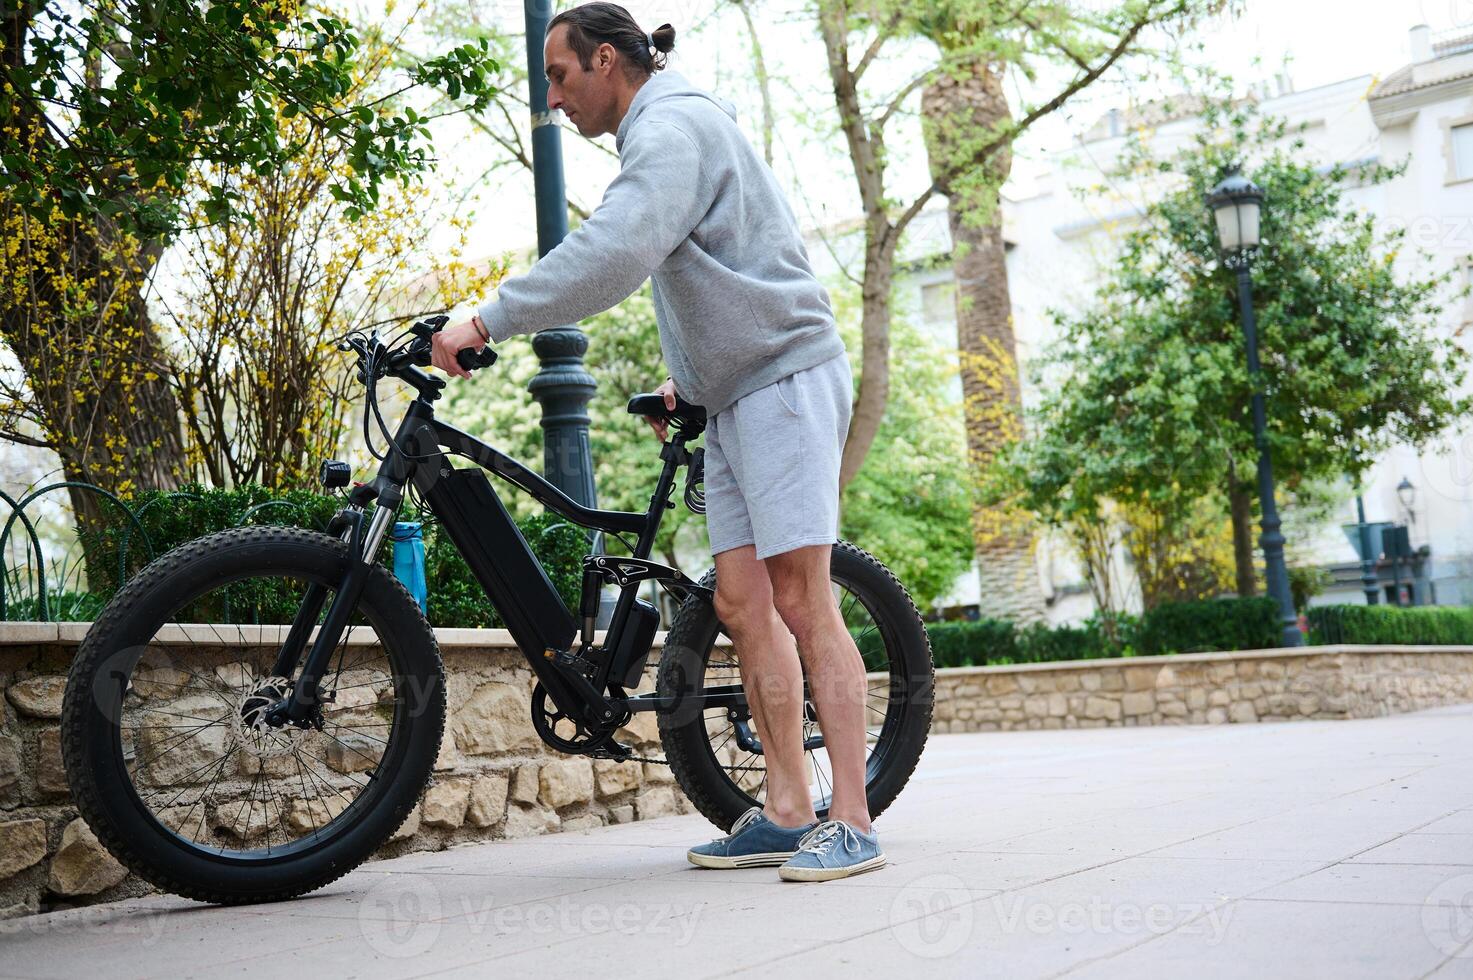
<point>604,58</point>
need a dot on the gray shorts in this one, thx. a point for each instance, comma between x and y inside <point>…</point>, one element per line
<point>772,462</point>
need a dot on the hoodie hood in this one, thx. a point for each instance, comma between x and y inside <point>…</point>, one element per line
<point>662,85</point>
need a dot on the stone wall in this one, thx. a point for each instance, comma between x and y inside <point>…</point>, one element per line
<point>493,778</point>
<point>1204,688</point>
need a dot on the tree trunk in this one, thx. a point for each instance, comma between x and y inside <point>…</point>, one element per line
<point>955,111</point>
<point>1240,505</point>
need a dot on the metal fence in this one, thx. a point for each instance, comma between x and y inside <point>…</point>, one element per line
<point>16,579</point>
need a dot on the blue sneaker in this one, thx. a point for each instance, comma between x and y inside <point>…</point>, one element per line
<point>754,842</point>
<point>833,849</point>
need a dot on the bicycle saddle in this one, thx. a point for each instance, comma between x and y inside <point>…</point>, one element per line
<point>654,405</point>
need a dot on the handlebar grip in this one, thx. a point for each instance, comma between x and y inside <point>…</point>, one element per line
<point>471,361</point>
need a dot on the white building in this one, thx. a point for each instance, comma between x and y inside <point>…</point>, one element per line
<point>1063,231</point>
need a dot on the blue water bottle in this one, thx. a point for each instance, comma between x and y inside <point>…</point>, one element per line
<point>409,560</point>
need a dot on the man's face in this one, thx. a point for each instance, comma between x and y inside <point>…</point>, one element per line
<point>586,96</point>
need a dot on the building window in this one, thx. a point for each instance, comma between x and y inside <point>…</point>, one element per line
<point>1462,140</point>
<point>936,302</point>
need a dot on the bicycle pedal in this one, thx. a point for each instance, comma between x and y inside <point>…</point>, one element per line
<point>617,751</point>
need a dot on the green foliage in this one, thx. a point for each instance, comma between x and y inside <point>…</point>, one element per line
<point>1212,624</point>
<point>1305,582</point>
<point>1175,627</point>
<point>63,606</point>
<point>1422,625</point>
<point>1148,395</point>
<point>132,95</point>
<point>910,503</point>
<point>170,519</point>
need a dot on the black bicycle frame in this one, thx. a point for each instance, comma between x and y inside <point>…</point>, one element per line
<point>472,514</point>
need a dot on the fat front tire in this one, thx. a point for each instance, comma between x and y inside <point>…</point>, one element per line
<point>204,841</point>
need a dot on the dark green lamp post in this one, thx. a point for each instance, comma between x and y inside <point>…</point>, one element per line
<point>563,386</point>
<point>1237,205</point>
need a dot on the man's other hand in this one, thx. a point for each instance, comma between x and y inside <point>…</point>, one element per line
<point>660,426</point>
<point>451,341</point>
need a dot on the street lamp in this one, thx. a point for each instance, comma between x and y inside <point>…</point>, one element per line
<point>1237,205</point>
<point>1406,492</point>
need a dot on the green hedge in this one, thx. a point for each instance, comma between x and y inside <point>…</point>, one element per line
<point>1422,625</point>
<point>1184,627</point>
<point>170,519</point>
<point>1211,624</point>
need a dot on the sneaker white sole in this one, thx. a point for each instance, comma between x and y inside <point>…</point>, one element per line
<point>828,874</point>
<point>768,860</point>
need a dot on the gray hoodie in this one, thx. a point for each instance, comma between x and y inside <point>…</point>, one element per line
<point>698,211</point>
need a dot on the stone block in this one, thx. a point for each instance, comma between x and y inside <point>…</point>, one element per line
<point>1140,702</point>
<point>488,797</point>
<point>81,865</point>
<point>654,772</point>
<point>445,803</point>
<point>495,718</point>
<point>529,821</point>
<point>305,816</point>
<point>586,822</point>
<point>614,778</point>
<point>524,785</point>
<point>38,697</point>
<point>565,781</point>
<point>10,765</point>
<point>1140,678</point>
<point>1102,708</point>
<point>1242,712</point>
<point>50,769</point>
<point>657,802</point>
<point>22,844</point>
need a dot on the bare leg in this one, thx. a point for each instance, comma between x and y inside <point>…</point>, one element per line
<point>805,600</point>
<point>772,677</point>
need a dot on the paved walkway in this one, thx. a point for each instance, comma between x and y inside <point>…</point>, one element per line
<point>1308,849</point>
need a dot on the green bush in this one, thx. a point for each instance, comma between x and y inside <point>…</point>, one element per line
<point>1421,625</point>
<point>1184,627</point>
<point>972,642</point>
<point>170,519</point>
<point>1211,624</point>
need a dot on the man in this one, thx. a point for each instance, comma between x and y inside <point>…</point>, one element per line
<point>748,332</point>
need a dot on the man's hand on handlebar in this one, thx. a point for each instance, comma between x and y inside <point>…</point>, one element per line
<point>660,426</point>
<point>450,342</point>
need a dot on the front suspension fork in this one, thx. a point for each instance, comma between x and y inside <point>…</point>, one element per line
<point>363,544</point>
